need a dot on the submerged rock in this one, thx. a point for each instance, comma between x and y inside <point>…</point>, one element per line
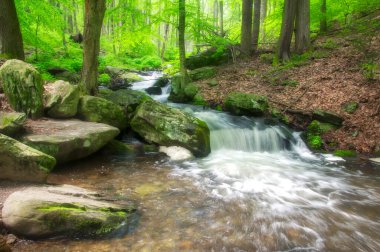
<point>20,162</point>
<point>95,109</point>
<point>42,212</point>
<point>11,123</point>
<point>128,99</point>
<point>61,99</point>
<point>23,87</point>
<point>161,82</point>
<point>160,124</point>
<point>69,139</point>
<point>154,90</point>
<point>246,104</point>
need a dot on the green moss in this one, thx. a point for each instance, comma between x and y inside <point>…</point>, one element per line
<point>202,73</point>
<point>246,104</point>
<point>104,79</point>
<point>345,153</point>
<point>267,58</point>
<point>292,83</point>
<point>351,107</point>
<point>314,132</point>
<point>199,100</point>
<point>315,142</point>
<point>191,90</point>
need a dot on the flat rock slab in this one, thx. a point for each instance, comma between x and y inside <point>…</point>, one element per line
<point>68,140</point>
<point>375,161</point>
<point>48,211</point>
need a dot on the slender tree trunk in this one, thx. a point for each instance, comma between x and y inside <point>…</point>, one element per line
<point>263,15</point>
<point>94,14</point>
<point>10,34</point>
<point>323,18</point>
<point>256,24</point>
<point>198,32</point>
<point>221,20</point>
<point>75,22</point>
<point>246,27</point>
<point>216,15</point>
<point>287,28</point>
<point>181,41</point>
<point>302,26</point>
<point>166,33</point>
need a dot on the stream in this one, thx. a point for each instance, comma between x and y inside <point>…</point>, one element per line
<point>260,189</point>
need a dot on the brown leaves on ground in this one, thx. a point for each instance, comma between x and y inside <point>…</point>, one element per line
<point>326,83</point>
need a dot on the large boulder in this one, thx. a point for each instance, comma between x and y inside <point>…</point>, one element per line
<point>11,122</point>
<point>128,99</point>
<point>130,77</point>
<point>50,211</point>
<point>20,162</point>
<point>160,124</point>
<point>23,87</point>
<point>69,139</point>
<point>328,117</point>
<point>210,57</point>
<point>177,93</point>
<point>96,109</point>
<point>64,74</point>
<point>202,73</point>
<point>61,99</point>
<point>246,104</point>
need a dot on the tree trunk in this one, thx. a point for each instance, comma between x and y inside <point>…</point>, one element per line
<point>75,23</point>
<point>166,33</point>
<point>256,24</point>
<point>94,14</point>
<point>323,18</point>
<point>181,42</point>
<point>302,26</point>
<point>221,31</point>
<point>10,34</point>
<point>263,15</point>
<point>287,28</point>
<point>216,15</point>
<point>246,27</point>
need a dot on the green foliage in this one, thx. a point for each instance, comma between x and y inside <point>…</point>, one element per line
<point>370,70</point>
<point>267,57</point>
<point>104,79</point>
<point>329,44</point>
<point>351,107</point>
<point>315,142</point>
<point>345,153</point>
<point>292,83</point>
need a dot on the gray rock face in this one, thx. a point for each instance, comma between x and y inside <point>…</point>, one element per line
<point>48,211</point>
<point>160,124</point>
<point>68,140</point>
<point>23,87</point>
<point>20,162</point>
<point>11,123</point>
<point>128,99</point>
<point>328,117</point>
<point>61,99</point>
<point>96,109</point>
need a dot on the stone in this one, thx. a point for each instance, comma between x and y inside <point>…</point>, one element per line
<point>96,109</point>
<point>375,161</point>
<point>154,90</point>
<point>191,90</point>
<point>65,211</point>
<point>161,82</point>
<point>163,125</point>
<point>20,162</point>
<point>116,147</point>
<point>131,77</point>
<point>113,71</point>
<point>246,104</point>
<point>61,99</point>
<point>23,87</point>
<point>176,153</point>
<point>210,57</point>
<point>128,99</point>
<point>68,140</point>
<point>328,117</point>
<point>4,247</point>
<point>11,123</point>
<point>177,94</point>
<point>213,83</point>
<point>64,74</point>
<point>202,73</point>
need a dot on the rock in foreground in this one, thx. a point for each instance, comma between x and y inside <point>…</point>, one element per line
<point>11,123</point>
<point>22,163</point>
<point>41,212</point>
<point>23,87</point>
<point>68,140</point>
<point>160,124</point>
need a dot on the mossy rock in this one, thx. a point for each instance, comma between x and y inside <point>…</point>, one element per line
<point>130,77</point>
<point>345,153</point>
<point>199,100</point>
<point>213,83</point>
<point>23,87</point>
<point>314,133</point>
<point>61,99</point>
<point>117,147</point>
<point>351,107</point>
<point>157,123</point>
<point>96,109</point>
<point>246,104</point>
<point>161,82</point>
<point>68,211</point>
<point>191,90</point>
<point>202,73</point>
<point>328,117</point>
<point>20,162</point>
<point>11,123</point>
<point>128,99</point>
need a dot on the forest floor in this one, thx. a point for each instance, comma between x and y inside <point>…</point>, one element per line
<point>336,73</point>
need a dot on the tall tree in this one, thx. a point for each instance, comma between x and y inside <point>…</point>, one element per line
<point>323,17</point>
<point>11,44</point>
<point>221,19</point>
<point>246,27</point>
<point>93,20</point>
<point>263,15</point>
<point>256,23</point>
<point>302,30</point>
<point>181,41</point>
<point>287,28</point>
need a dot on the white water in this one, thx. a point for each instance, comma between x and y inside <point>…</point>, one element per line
<point>300,200</point>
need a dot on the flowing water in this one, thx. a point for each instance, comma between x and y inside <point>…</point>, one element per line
<point>260,189</point>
